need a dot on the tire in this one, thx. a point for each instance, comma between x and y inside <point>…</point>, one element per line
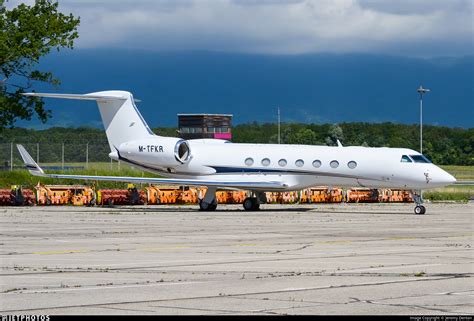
<point>251,204</point>
<point>248,204</point>
<point>419,210</point>
<point>208,207</point>
<point>423,210</point>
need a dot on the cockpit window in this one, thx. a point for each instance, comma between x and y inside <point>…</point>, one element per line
<point>406,159</point>
<point>420,159</point>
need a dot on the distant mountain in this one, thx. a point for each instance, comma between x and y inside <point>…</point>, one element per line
<point>315,88</point>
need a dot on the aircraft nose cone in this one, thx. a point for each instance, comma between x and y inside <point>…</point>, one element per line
<point>443,178</point>
<point>450,179</point>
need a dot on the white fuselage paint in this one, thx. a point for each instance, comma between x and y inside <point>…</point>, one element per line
<point>376,167</point>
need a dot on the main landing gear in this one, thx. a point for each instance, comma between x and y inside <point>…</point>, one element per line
<point>419,208</point>
<point>253,203</point>
<point>209,202</point>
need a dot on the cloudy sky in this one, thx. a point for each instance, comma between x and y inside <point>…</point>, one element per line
<point>404,27</point>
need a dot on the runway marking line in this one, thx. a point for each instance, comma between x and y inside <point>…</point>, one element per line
<point>61,252</point>
<point>162,248</point>
<point>336,242</point>
<point>397,238</point>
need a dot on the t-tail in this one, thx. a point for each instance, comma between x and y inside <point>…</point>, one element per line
<point>120,116</point>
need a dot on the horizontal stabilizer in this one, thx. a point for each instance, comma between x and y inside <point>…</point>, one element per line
<point>78,96</point>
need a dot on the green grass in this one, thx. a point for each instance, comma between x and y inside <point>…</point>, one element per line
<point>450,193</point>
<point>460,172</point>
<point>25,179</point>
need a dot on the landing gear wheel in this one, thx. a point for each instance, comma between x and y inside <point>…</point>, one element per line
<point>213,207</point>
<point>251,204</point>
<point>205,206</point>
<point>420,210</point>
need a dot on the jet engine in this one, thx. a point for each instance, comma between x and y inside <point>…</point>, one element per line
<point>165,152</point>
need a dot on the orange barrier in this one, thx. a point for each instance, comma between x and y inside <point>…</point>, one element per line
<point>130,196</point>
<point>363,196</point>
<point>162,195</point>
<point>64,194</point>
<point>395,196</point>
<point>187,196</point>
<point>83,195</point>
<point>16,196</point>
<point>230,197</point>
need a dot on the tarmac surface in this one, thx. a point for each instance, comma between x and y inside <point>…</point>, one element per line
<point>284,259</point>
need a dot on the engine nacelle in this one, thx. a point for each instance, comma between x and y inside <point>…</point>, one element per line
<point>159,151</point>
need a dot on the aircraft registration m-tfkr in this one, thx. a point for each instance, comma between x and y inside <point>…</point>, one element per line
<point>258,168</point>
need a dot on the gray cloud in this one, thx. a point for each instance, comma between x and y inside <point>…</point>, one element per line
<point>407,27</point>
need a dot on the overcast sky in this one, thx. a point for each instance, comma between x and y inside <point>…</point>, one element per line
<point>404,27</point>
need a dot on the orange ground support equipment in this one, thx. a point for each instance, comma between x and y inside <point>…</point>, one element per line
<point>230,197</point>
<point>130,196</point>
<point>161,195</point>
<point>64,194</point>
<point>224,197</point>
<point>363,195</point>
<point>16,196</point>
<point>396,196</point>
<point>187,195</point>
<point>319,195</point>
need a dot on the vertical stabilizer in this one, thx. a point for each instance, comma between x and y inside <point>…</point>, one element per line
<point>121,118</point>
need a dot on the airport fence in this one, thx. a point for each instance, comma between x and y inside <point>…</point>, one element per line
<point>56,155</point>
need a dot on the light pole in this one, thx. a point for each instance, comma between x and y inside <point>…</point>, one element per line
<point>278,125</point>
<point>421,91</point>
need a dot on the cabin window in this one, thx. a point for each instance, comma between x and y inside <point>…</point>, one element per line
<point>334,164</point>
<point>299,163</point>
<point>406,159</point>
<point>352,164</point>
<point>420,159</point>
<point>282,162</point>
<point>265,162</point>
<point>249,161</point>
<point>317,163</point>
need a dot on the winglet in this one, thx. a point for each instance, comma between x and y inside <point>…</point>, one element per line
<point>30,163</point>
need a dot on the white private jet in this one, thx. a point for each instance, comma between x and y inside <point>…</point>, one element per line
<point>258,168</point>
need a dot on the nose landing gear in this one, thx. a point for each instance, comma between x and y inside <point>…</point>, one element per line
<point>419,208</point>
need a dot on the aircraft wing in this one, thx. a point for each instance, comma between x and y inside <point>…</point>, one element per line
<point>36,170</point>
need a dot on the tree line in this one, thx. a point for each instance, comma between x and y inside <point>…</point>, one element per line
<point>443,145</point>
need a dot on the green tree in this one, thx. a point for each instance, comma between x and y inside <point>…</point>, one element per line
<point>305,136</point>
<point>28,33</point>
<point>335,132</point>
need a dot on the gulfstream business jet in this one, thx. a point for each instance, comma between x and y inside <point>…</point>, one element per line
<point>220,164</point>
